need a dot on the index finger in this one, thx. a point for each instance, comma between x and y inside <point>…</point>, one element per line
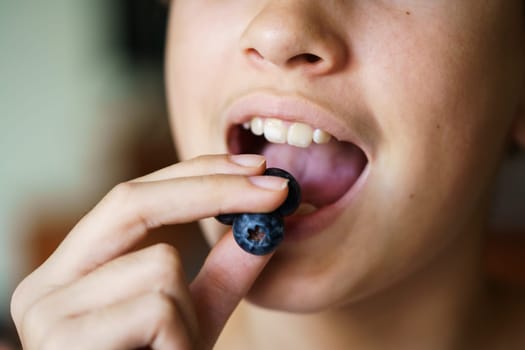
<point>126,215</point>
<point>242,164</point>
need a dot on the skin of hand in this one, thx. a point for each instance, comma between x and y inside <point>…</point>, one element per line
<point>95,293</point>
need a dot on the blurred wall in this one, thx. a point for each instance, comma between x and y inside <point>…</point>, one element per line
<point>60,81</point>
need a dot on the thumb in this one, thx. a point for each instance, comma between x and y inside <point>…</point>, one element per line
<point>226,277</point>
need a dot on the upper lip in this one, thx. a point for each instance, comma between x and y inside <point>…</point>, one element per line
<point>291,108</point>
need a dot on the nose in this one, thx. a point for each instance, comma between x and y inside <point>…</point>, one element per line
<point>293,34</point>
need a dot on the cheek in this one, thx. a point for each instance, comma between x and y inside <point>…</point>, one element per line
<point>443,111</point>
<point>193,87</point>
<point>444,108</point>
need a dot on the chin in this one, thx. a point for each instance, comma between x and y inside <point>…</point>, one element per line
<point>289,283</point>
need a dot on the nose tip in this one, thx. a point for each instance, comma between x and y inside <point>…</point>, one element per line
<point>290,38</point>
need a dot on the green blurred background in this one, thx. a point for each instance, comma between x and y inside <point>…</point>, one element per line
<point>82,108</point>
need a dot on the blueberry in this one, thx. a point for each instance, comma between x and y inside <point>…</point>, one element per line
<point>226,219</point>
<point>258,234</point>
<point>294,191</point>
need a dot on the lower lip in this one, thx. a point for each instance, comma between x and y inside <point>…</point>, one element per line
<point>302,227</point>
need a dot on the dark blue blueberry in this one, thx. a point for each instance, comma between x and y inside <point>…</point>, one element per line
<point>258,234</point>
<point>294,191</point>
<point>226,219</point>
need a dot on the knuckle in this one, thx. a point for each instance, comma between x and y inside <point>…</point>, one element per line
<point>33,313</point>
<point>166,253</point>
<point>31,319</point>
<point>18,302</point>
<point>167,264</point>
<point>162,309</point>
<point>34,322</point>
<point>121,192</point>
<point>123,198</point>
<point>169,329</point>
<point>25,293</point>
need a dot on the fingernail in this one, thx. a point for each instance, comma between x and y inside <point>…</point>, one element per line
<point>247,160</point>
<point>269,182</point>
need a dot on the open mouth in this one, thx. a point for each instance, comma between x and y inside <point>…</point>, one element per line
<point>325,167</point>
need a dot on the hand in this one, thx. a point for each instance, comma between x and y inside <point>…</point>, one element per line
<point>93,293</point>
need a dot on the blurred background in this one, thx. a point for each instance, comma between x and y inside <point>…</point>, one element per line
<point>82,108</point>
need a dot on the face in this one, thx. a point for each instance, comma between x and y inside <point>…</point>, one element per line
<point>418,96</point>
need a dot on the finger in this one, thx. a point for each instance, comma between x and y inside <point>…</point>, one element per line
<point>151,320</point>
<point>225,278</point>
<point>124,216</point>
<point>208,164</point>
<point>241,164</point>
<point>154,269</point>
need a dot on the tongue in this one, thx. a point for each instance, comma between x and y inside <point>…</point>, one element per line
<point>325,172</point>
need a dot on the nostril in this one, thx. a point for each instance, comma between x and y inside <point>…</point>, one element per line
<point>311,58</point>
<point>304,58</point>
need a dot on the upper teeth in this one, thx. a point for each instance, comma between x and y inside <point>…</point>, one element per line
<point>295,134</point>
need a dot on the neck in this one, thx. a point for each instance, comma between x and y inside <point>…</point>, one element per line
<point>432,309</point>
